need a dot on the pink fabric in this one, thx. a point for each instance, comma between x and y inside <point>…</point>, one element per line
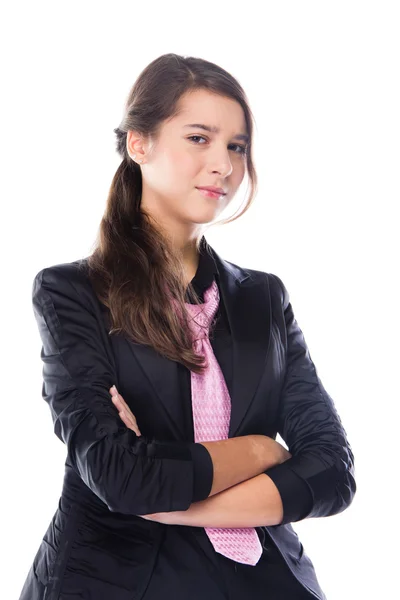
<point>211,417</point>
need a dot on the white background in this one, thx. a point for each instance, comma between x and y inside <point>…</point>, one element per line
<point>323,83</point>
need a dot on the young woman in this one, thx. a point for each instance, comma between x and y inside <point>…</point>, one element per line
<point>174,484</point>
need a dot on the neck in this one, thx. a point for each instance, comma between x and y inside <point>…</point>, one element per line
<point>190,258</point>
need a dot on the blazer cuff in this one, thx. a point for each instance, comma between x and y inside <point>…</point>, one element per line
<point>203,472</point>
<point>297,497</point>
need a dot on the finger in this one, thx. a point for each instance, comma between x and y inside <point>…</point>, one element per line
<point>120,402</point>
<point>128,423</point>
<point>126,415</point>
<point>121,399</point>
<point>131,423</point>
<point>116,395</point>
<point>123,406</point>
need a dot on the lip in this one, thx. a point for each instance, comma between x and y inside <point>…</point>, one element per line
<point>215,190</point>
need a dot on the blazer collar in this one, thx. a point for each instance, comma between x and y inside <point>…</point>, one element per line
<point>247,303</point>
<point>206,271</point>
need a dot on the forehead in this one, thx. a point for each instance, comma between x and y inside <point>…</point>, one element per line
<point>218,112</point>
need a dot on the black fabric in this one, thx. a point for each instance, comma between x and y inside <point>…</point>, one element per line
<point>191,569</point>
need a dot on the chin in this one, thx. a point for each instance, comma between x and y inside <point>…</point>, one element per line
<point>203,217</point>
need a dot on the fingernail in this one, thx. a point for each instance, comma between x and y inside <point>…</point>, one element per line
<point>114,390</point>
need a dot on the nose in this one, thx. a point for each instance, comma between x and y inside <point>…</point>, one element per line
<point>221,163</point>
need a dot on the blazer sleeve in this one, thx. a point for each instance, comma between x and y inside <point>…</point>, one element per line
<point>309,424</point>
<point>130,474</point>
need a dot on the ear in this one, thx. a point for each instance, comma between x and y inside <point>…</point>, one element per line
<point>134,145</point>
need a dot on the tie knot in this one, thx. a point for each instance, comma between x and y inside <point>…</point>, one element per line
<point>202,315</point>
<point>200,326</point>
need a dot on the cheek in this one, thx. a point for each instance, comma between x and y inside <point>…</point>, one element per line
<point>187,164</point>
<point>178,163</point>
<point>167,172</point>
<point>183,174</point>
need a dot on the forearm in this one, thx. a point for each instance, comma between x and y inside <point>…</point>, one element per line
<point>252,503</point>
<point>236,460</point>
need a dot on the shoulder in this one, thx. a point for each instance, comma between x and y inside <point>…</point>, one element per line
<point>63,279</point>
<point>74,272</point>
<point>275,286</point>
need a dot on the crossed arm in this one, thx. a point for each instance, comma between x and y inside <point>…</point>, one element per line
<point>251,503</point>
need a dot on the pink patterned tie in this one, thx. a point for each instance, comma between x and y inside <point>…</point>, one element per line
<point>211,416</point>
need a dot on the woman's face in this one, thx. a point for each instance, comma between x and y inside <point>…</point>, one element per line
<point>178,163</point>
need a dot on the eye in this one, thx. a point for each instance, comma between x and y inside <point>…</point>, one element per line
<point>242,149</point>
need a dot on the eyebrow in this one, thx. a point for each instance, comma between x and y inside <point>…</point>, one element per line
<point>239,136</point>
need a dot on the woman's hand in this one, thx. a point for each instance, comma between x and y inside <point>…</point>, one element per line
<point>125,412</point>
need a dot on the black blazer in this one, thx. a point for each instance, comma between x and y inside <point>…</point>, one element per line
<point>96,545</point>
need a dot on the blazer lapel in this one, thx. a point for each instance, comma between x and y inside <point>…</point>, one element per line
<point>249,315</point>
<point>248,310</point>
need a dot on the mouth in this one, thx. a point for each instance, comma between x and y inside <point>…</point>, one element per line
<point>211,192</point>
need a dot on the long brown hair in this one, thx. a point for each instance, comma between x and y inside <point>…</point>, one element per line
<point>133,264</point>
